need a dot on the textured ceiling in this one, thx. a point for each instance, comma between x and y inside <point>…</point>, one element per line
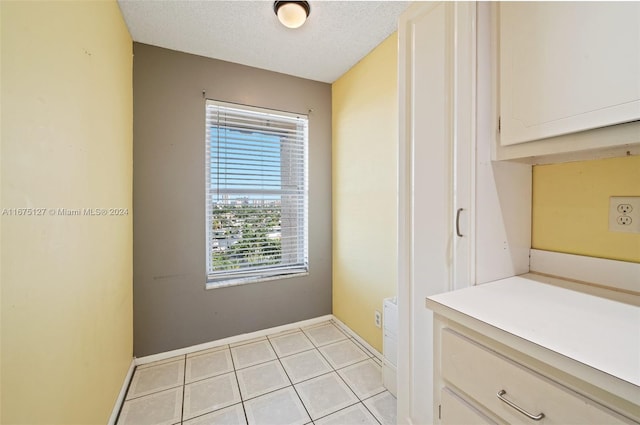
<point>335,37</point>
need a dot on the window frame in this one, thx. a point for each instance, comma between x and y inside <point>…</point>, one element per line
<point>264,273</point>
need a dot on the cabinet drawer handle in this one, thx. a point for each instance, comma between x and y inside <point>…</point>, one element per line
<point>500,395</point>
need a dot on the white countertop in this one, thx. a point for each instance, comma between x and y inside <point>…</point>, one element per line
<point>594,331</point>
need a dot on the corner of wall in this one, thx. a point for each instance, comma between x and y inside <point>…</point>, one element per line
<point>365,146</point>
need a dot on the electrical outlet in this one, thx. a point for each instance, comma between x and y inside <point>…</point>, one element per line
<point>624,208</point>
<point>624,214</point>
<point>624,220</point>
<point>378,319</point>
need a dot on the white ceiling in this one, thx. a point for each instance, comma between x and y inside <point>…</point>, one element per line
<point>336,36</point>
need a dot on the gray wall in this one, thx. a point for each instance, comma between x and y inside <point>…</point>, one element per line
<point>172,309</point>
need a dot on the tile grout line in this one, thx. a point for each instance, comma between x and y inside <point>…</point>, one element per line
<point>362,347</point>
<point>334,370</point>
<point>256,364</point>
<point>362,400</point>
<point>294,353</point>
<point>235,373</point>
<point>184,387</point>
<point>352,390</point>
<point>217,375</point>
<point>155,392</point>
<point>352,335</point>
<point>272,340</point>
<point>330,364</point>
<point>371,413</point>
<point>367,407</point>
<point>138,369</point>
<point>299,352</point>
<point>200,415</point>
<point>340,410</point>
<point>346,337</point>
<point>292,386</point>
<point>267,339</point>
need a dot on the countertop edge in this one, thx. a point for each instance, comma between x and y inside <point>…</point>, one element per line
<point>614,385</point>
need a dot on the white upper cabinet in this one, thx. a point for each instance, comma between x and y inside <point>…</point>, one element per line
<point>567,67</point>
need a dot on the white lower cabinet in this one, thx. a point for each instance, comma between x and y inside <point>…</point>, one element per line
<point>480,386</point>
<point>454,410</point>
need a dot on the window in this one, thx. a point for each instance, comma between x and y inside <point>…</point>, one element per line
<point>257,194</point>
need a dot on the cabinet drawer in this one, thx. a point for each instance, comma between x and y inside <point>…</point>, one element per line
<point>456,411</point>
<point>481,374</point>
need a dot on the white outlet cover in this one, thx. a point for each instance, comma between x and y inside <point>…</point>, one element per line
<point>631,203</point>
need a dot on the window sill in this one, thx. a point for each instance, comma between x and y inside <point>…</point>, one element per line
<point>249,280</point>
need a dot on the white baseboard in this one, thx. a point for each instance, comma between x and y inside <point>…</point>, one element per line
<point>230,340</point>
<point>390,377</point>
<point>620,275</point>
<point>123,393</point>
<point>357,337</point>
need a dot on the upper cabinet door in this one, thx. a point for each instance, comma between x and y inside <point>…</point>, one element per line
<point>566,67</point>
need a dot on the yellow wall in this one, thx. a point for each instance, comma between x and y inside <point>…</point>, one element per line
<point>365,143</point>
<point>571,207</point>
<point>0,216</point>
<point>66,143</point>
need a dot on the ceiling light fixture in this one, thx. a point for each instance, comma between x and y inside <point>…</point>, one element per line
<point>292,14</point>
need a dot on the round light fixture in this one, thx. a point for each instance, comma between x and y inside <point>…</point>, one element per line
<point>292,14</point>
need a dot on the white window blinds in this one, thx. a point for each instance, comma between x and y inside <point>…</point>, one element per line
<point>256,193</point>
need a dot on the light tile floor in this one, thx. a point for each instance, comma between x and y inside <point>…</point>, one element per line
<point>314,375</point>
